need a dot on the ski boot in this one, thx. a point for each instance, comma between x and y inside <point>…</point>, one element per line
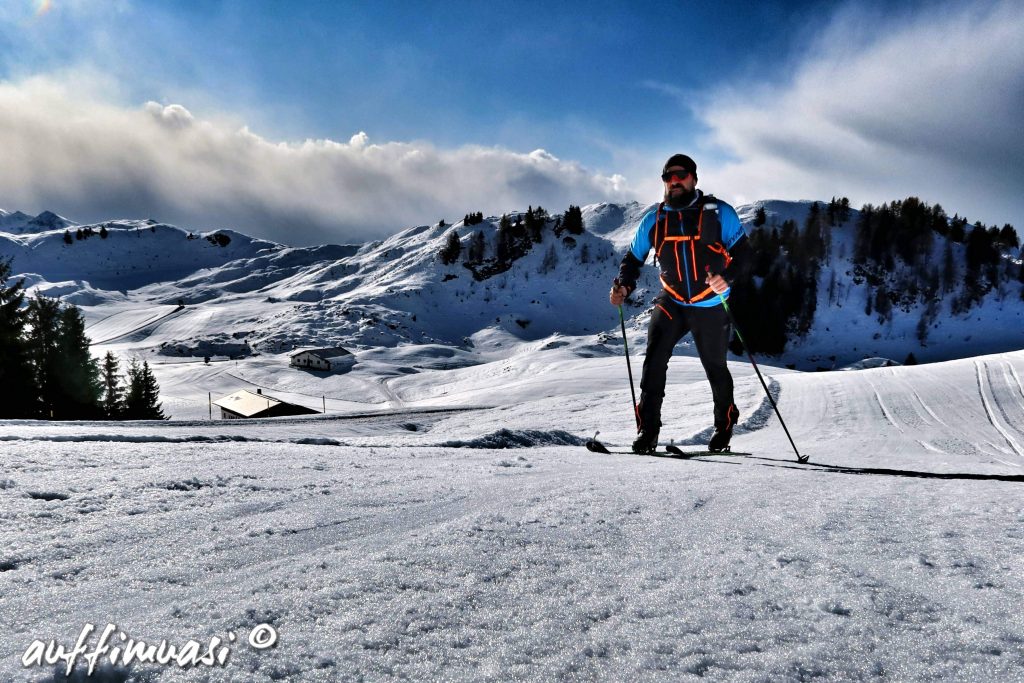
<point>647,442</point>
<point>721,438</point>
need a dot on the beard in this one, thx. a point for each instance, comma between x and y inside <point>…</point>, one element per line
<point>681,197</point>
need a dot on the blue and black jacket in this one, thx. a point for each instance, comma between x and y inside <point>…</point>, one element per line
<point>689,243</point>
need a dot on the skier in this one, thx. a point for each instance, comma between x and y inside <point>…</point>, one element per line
<point>701,249</point>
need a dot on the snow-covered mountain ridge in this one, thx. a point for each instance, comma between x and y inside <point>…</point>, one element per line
<point>246,296</point>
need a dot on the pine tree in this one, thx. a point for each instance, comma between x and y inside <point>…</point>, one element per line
<point>883,305</point>
<point>813,239</point>
<point>113,392</point>
<point>78,373</point>
<point>862,242</point>
<point>18,393</point>
<point>449,254</point>
<point>957,228</point>
<point>142,401</point>
<point>43,315</point>
<point>573,221</point>
<point>948,268</point>
<point>760,217</point>
<point>535,220</point>
<point>1008,237</point>
<point>503,246</point>
<point>477,246</point>
<point>844,210</point>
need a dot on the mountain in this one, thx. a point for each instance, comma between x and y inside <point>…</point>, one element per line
<point>21,223</point>
<point>244,296</point>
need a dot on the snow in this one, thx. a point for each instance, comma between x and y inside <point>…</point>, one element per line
<point>442,520</point>
<point>464,542</point>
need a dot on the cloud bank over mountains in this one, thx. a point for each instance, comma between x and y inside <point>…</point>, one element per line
<point>883,104</point>
<point>93,160</point>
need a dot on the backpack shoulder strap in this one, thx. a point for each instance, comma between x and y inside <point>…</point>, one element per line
<point>711,224</point>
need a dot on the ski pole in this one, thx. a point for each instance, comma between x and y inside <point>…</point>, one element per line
<point>799,458</point>
<point>629,368</point>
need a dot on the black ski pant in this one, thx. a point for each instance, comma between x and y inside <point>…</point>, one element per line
<point>711,332</point>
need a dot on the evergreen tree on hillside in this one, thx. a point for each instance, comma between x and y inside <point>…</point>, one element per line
<point>477,247</point>
<point>862,241</point>
<point>940,221</point>
<point>17,388</point>
<point>504,240</point>
<point>142,401</point>
<point>1008,237</point>
<point>844,210</point>
<point>760,217</point>
<point>572,222</point>
<point>813,237</point>
<point>883,305</point>
<point>113,392</point>
<point>535,221</point>
<point>449,254</point>
<point>957,228</point>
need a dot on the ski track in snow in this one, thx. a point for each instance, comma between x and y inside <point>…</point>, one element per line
<point>885,411</point>
<point>1012,381</point>
<point>926,408</point>
<point>1016,378</point>
<point>990,413</point>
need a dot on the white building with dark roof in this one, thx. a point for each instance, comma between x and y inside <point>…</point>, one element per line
<point>333,358</point>
<point>246,404</point>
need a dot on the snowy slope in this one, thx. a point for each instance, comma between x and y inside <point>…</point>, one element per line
<point>408,544</point>
<point>134,254</point>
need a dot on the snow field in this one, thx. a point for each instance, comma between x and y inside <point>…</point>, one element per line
<point>379,554</point>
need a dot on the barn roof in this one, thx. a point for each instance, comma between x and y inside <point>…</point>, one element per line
<point>247,402</point>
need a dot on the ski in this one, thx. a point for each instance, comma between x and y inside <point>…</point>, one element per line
<point>678,454</point>
<point>671,451</point>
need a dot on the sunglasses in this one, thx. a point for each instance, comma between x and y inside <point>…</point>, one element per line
<point>678,175</point>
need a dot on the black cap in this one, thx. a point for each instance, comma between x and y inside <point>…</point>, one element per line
<point>681,160</point>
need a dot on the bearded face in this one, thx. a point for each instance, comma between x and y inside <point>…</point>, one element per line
<point>679,185</point>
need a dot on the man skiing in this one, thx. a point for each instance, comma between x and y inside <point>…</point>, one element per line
<point>701,249</point>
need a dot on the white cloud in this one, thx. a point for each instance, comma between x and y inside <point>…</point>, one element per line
<point>68,149</point>
<point>929,106</point>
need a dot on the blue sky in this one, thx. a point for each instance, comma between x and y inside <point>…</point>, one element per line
<point>756,92</point>
<point>523,74</point>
